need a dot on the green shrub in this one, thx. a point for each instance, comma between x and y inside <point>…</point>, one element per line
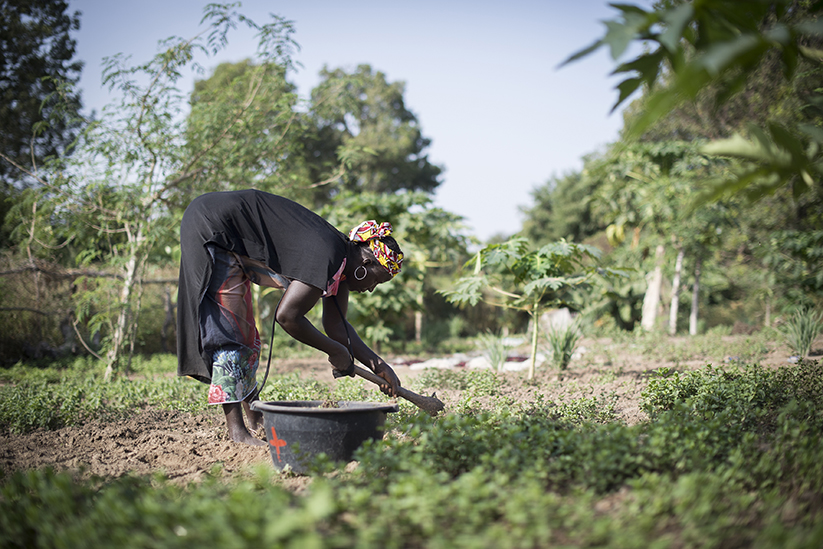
<point>495,349</point>
<point>30,405</point>
<point>801,329</point>
<point>729,458</point>
<point>292,387</point>
<point>562,342</point>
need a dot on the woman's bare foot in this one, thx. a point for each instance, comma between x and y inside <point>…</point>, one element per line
<point>237,429</point>
<point>247,438</point>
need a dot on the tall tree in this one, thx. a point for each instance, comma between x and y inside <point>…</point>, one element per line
<point>366,139</point>
<point>134,164</point>
<point>251,153</point>
<point>747,75</point>
<point>38,111</point>
<point>562,209</point>
<point>644,191</point>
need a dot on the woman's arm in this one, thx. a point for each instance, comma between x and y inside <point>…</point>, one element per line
<point>297,301</point>
<point>336,325</point>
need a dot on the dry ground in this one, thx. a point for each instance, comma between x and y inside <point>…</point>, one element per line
<point>186,446</point>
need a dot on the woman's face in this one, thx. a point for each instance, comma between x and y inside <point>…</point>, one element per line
<point>375,274</point>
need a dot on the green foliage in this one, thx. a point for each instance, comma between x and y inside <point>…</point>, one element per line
<point>140,159</point>
<point>257,93</point>
<point>727,458</point>
<point>442,379</point>
<point>720,44</point>
<point>433,240</point>
<point>73,400</point>
<point>801,329</point>
<point>541,276</point>
<point>562,343</point>
<point>363,126</point>
<point>38,113</point>
<point>293,387</point>
<point>562,208</point>
<point>474,383</point>
<point>133,512</point>
<point>495,349</point>
<point>795,258</point>
<point>751,393</point>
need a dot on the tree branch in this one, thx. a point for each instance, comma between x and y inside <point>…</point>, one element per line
<point>79,273</point>
<point>332,179</point>
<point>83,341</point>
<point>26,309</point>
<point>505,293</point>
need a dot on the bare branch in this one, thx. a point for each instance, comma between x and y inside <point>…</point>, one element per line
<point>83,341</point>
<point>332,179</point>
<point>26,309</point>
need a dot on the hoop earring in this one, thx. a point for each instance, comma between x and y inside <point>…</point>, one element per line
<point>365,272</point>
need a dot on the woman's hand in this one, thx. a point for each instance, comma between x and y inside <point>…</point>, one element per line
<point>342,363</point>
<point>392,382</point>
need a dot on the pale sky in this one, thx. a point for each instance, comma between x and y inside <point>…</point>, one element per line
<point>482,78</point>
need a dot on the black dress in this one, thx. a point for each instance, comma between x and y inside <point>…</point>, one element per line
<point>288,238</point>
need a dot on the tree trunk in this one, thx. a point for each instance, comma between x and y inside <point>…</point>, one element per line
<point>418,319</point>
<point>168,321</point>
<point>695,298</point>
<point>122,325</point>
<point>678,267</point>
<point>767,321</point>
<point>652,299</point>
<point>535,332</point>
<point>135,318</point>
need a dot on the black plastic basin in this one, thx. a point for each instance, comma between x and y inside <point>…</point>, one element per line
<point>299,430</point>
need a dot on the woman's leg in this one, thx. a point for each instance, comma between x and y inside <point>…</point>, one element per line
<point>232,374</point>
<point>227,327</point>
<point>237,428</point>
<point>255,419</point>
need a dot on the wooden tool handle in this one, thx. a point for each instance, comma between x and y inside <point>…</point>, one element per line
<point>431,404</point>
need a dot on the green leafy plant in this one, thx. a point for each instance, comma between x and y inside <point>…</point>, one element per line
<point>495,349</point>
<point>691,46</point>
<point>728,458</point>
<point>562,342</point>
<point>508,275</point>
<point>73,400</point>
<point>801,329</point>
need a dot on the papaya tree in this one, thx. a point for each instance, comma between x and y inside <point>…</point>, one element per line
<point>511,276</point>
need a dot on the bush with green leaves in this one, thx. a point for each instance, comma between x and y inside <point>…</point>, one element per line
<point>727,458</point>
<point>495,349</point>
<point>801,329</point>
<point>562,342</point>
<point>27,406</point>
<point>511,276</point>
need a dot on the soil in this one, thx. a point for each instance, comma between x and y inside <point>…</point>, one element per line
<point>185,446</point>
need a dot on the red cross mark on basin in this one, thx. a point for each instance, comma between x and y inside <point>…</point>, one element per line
<point>276,442</point>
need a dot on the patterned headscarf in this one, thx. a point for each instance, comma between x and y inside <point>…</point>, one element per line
<point>371,232</point>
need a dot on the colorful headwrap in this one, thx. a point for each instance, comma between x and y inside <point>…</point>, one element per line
<point>371,232</point>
